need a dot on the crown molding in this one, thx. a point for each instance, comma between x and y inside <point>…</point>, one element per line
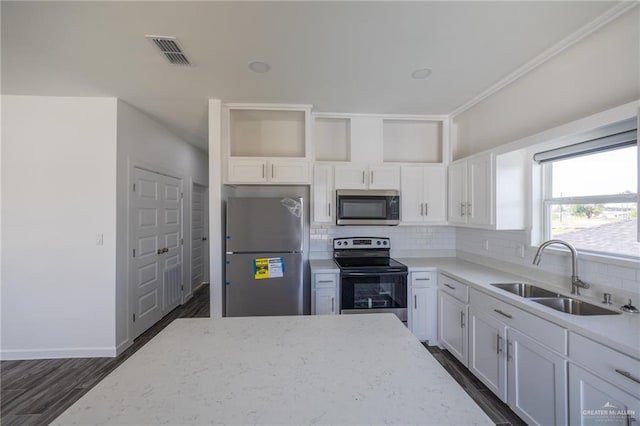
<point>586,30</point>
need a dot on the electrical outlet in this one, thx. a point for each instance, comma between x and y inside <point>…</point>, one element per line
<point>99,239</point>
<point>520,252</point>
<point>485,245</point>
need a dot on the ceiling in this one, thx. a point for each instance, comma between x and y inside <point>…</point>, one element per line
<point>339,56</point>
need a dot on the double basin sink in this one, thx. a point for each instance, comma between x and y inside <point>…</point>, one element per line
<point>554,300</point>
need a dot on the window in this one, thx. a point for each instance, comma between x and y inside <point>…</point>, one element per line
<point>590,194</point>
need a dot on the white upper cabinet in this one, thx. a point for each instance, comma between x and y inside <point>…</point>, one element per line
<point>488,191</point>
<point>267,143</point>
<point>423,194</point>
<point>323,207</point>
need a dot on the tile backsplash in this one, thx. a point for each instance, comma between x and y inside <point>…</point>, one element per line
<point>505,248</point>
<point>405,240</point>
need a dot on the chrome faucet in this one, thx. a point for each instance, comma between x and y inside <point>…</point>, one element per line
<point>576,283</point>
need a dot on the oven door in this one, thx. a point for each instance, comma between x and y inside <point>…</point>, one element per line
<point>365,292</point>
<point>358,207</point>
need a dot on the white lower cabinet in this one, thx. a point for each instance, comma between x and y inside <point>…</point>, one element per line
<point>423,306</point>
<point>594,401</point>
<point>452,330</point>
<point>324,294</point>
<point>487,361</point>
<point>537,381</point>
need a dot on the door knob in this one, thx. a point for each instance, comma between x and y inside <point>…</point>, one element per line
<point>160,251</point>
<point>204,238</point>
<point>165,250</point>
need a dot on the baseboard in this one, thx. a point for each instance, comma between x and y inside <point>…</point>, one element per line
<point>17,354</point>
<point>123,346</point>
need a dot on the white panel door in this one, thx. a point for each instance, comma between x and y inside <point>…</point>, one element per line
<point>537,381</point>
<point>458,192</point>
<point>246,171</point>
<point>155,227</point>
<point>289,171</point>
<point>323,193</point>
<point>487,360</point>
<point>351,177</point>
<point>594,402</point>
<point>198,236</point>
<point>412,194</point>
<point>419,313</point>
<point>434,194</point>
<point>452,332</point>
<point>384,177</point>
<point>324,301</point>
<point>480,190</point>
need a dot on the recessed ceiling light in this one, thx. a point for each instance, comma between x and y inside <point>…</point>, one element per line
<point>260,67</point>
<point>421,73</point>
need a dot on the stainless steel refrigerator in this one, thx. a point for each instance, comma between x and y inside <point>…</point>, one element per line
<point>264,255</point>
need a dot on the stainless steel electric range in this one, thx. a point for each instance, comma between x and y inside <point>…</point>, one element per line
<point>370,281</point>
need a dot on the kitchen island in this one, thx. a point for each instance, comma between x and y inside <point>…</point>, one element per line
<point>343,369</point>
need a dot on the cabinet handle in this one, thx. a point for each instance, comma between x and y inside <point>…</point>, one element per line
<point>329,209</point>
<point>498,346</point>
<point>371,177</point>
<point>363,177</point>
<point>422,279</point>
<point>263,167</point>
<point>508,351</point>
<point>503,313</point>
<point>450,286</point>
<point>421,209</point>
<point>415,301</point>
<point>333,305</point>
<point>426,209</point>
<point>462,213</point>
<point>461,319</point>
<point>469,210</point>
<point>272,170</point>
<point>628,375</point>
<point>325,281</point>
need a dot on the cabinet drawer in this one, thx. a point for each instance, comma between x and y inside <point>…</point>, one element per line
<point>325,280</point>
<point>423,279</point>
<point>605,361</point>
<point>453,287</point>
<point>547,333</point>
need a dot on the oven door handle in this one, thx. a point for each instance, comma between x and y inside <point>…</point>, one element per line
<point>372,274</point>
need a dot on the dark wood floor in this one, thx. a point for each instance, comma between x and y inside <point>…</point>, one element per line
<point>36,392</point>
<point>497,410</point>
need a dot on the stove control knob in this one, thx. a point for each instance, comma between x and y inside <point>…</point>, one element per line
<point>346,242</point>
<point>385,243</point>
<point>339,243</point>
<point>379,243</point>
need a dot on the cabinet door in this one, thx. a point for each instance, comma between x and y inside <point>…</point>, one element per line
<point>418,317</point>
<point>458,192</point>
<point>589,393</point>
<point>487,360</point>
<point>324,301</point>
<point>384,177</point>
<point>537,381</point>
<point>452,331</point>
<point>246,171</point>
<point>435,196</point>
<point>323,193</point>
<point>289,171</point>
<point>412,208</point>
<point>480,190</point>
<point>351,177</point>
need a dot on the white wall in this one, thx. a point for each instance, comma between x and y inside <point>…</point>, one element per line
<point>58,193</point>
<point>599,72</point>
<point>144,142</point>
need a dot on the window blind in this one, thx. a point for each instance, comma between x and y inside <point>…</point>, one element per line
<point>605,143</point>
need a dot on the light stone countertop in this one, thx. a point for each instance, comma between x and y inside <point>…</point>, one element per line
<point>323,266</point>
<point>343,369</point>
<point>621,332</point>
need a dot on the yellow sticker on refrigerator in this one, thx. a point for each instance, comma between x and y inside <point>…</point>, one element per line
<point>268,267</point>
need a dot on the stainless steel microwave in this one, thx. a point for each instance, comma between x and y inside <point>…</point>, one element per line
<point>367,207</point>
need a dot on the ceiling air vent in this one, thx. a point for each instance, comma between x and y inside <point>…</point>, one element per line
<point>170,49</point>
